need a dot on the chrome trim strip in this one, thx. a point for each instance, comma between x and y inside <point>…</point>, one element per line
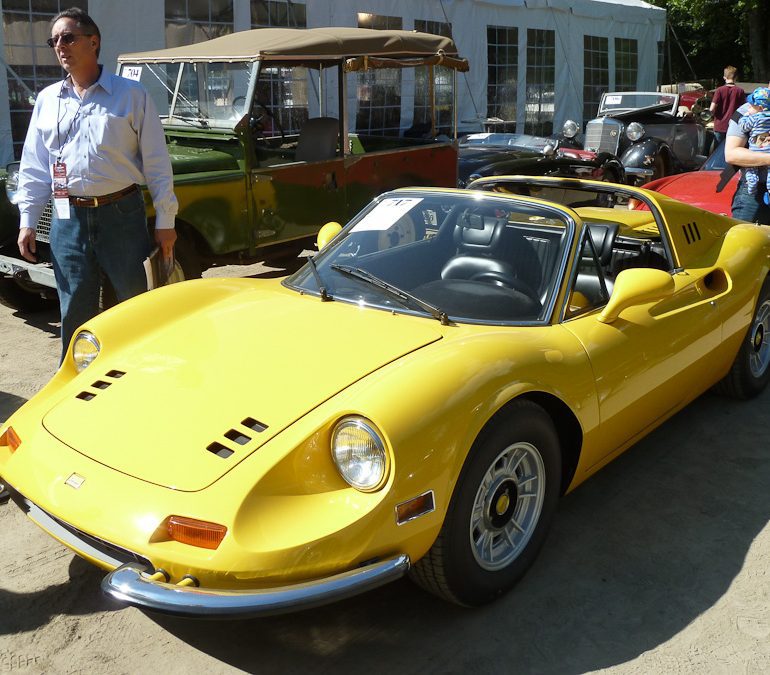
<point>131,585</point>
<point>50,525</point>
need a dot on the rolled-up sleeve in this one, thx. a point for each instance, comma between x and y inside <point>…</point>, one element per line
<point>156,165</point>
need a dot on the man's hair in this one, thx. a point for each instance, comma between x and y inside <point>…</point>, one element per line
<point>84,21</point>
<point>730,72</point>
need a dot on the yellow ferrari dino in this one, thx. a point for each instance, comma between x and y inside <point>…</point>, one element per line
<point>415,399</point>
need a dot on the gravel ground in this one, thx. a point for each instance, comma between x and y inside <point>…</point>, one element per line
<point>659,564</point>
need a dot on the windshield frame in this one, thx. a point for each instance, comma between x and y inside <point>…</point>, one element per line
<point>303,282</point>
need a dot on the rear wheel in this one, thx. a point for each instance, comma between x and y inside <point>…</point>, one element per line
<point>750,371</point>
<point>500,510</point>
<point>187,257</point>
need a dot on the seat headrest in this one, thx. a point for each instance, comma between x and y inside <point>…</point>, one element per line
<point>478,233</point>
<point>603,238</point>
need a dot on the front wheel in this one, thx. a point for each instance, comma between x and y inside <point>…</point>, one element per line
<point>750,371</point>
<point>500,510</point>
<point>16,296</point>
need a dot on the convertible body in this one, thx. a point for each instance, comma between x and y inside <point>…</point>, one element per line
<point>415,399</point>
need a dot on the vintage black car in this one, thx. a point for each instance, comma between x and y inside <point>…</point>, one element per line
<point>647,131</point>
<point>501,154</point>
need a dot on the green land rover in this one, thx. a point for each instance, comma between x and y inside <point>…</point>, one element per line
<point>258,126</point>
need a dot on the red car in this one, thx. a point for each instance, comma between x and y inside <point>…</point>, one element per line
<point>699,188</point>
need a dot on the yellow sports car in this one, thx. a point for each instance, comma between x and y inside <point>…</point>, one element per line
<point>415,399</point>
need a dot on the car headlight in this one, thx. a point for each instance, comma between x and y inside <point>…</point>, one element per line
<point>85,349</point>
<point>359,454</point>
<point>570,129</point>
<point>634,131</point>
<point>12,181</point>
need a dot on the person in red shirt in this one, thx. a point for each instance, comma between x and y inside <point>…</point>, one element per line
<point>727,99</point>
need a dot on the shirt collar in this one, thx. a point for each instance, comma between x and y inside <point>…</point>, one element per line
<point>104,81</point>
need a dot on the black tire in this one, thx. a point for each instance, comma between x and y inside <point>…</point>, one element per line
<point>480,553</point>
<point>16,296</point>
<point>187,257</point>
<point>750,371</point>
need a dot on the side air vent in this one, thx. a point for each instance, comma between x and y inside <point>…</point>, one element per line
<point>254,425</point>
<point>85,396</point>
<point>100,384</point>
<point>219,450</point>
<point>115,374</point>
<point>237,437</point>
<point>691,232</point>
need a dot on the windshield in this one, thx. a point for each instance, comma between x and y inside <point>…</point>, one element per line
<point>515,141</point>
<point>209,95</point>
<point>634,100</point>
<point>716,161</point>
<point>472,257</point>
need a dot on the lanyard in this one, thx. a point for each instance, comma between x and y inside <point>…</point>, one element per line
<point>58,119</point>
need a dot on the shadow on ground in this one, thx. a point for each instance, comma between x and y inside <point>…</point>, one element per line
<point>635,555</point>
<point>22,612</point>
<point>48,321</point>
<point>9,404</point>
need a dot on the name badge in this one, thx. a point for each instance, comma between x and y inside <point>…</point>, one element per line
<point>61,195</point>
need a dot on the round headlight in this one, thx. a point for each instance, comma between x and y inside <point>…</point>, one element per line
<point>570,129</point>
<point>12,181</point>
<point>85,349</point>
<point>634,131</point>
<point>359,454</point>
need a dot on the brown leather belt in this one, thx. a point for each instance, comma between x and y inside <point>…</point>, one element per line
<point>93,202</point>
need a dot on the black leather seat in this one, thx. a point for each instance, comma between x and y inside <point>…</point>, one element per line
<point>483,251</point>
<point>317,139</point>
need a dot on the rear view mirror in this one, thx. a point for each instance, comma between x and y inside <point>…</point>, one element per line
<point>327,233</point>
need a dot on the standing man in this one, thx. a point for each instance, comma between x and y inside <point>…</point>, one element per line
<point>93,138</point>
<point>727,99</point>
<point>748,206</point>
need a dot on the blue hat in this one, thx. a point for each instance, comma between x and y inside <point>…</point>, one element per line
<point>760,97</point>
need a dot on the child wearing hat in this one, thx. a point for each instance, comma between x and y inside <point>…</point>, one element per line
<point>757,128</point>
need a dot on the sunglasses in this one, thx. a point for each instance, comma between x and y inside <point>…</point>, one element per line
<point>66,38</point>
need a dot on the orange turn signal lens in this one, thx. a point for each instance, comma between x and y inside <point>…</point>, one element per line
<point>196,532</point>
<point>11,439</point>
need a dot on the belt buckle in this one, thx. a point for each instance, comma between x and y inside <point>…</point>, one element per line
<point>96,202</point>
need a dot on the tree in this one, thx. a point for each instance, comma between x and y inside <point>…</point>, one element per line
<point>715,33</point>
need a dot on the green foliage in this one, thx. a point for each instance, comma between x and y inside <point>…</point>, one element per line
<point>715,33</point>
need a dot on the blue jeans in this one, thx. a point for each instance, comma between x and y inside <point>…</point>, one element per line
<point>112,239</point>
<point>751,207</point>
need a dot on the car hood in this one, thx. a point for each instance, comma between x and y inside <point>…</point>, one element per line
<point>259,356</point>
<point>196,159</point>
<point>697,188</point>
<point>472,159</point>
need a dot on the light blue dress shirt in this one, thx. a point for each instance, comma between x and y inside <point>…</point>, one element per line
<point>109,139</point>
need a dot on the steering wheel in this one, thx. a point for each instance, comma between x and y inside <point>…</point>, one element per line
<point>260,113</point>
<point>237,106</point>
<point>507,281</point>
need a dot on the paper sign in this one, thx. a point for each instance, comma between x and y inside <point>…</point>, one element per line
<point>132,72</point>
<point>386,214</point>
<point>613,100</point>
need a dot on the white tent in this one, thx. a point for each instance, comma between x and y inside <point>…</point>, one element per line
<point>142,25</point>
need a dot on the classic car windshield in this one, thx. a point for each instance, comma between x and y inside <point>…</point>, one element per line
<point>513,141</point>
<point>209,94</point>
<point>471,257</point>
<point>617,101</point>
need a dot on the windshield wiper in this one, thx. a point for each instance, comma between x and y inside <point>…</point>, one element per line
<point>394,291</point>
<point>325,297</point>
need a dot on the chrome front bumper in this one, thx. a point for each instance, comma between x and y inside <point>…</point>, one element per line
<point>131,584</point>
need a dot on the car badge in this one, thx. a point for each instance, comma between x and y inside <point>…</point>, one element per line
<point>613,133</point>
<point>75,481</point>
